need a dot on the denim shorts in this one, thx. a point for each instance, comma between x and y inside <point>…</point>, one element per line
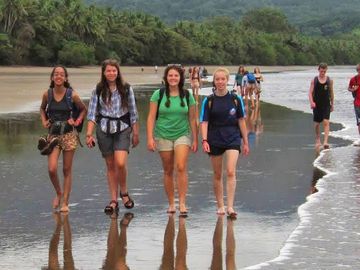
<point>357,114</point>
<point>109,143</point>
<point>169,145</point>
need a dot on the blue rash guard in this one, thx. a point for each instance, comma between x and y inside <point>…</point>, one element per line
<point>223,119</point>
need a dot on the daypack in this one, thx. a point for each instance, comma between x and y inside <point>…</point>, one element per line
<point>75,112</point>
<point>251,78</point>
<point>161,95</point>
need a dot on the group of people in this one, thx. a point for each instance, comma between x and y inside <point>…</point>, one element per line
<point>171,130</point>
<point>248,85</point>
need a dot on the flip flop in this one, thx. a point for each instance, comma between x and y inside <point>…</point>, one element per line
<point>110,210</point>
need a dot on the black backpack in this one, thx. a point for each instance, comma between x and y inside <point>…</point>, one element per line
<point>161,95</point>
<point>75,112</point>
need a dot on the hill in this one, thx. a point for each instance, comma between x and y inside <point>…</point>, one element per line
<point>321,17</point>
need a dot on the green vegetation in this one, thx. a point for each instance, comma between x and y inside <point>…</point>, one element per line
<point>45,32</point>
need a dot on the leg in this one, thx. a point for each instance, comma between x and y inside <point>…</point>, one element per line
<point>317,134</point>
<point>52,168</point>
<point>181,156</point>
<point>230,246</point>
<point>326,125</point>
<point>67,171</point>
<point>167,261</point>
<point>121,158</point>
<point>167,158</point>
<point>231,160</point>
<point>53,261</point>
<point>112,178</point>
<point>181,246</point>
<point>216,162</point>
<point>216,261</point>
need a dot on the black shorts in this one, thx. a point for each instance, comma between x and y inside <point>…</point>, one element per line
<point>320,114</point>
<point>218,151</point>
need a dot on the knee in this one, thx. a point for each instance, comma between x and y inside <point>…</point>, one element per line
<point>181,168</point>
<point>230,174</point>
<point>168,171</point>
<point>121,166</point>
<point>52,171</point>
<point>217,175</point>
<point>67,171</point>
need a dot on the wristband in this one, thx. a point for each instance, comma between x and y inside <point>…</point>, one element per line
<point>204,141</point>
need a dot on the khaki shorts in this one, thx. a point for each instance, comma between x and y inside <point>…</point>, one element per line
<point>169,145</point>
<point>68,141</point>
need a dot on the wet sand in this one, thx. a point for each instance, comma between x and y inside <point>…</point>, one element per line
<point>22,87</point>
<point>269,192</point>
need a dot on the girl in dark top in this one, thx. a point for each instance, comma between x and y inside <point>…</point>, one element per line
<point>223,127</point>
<point>57,117</point>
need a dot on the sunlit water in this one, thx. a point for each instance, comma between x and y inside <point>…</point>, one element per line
<point>272,182</point>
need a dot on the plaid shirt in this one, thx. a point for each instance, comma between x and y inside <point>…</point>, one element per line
<point>114,109</point>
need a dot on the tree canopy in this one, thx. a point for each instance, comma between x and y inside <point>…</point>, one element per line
<point>47,32</point>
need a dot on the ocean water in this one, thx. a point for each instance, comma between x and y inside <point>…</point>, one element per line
<point>328,235</point>
<point>271,232</point>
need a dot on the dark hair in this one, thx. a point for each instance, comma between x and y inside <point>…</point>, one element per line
<point>241,68</point>
<point>102,88</point>
<point>257,68</point>
<point>66,82</point>
<point>322,66</point>
<point>181,84</point>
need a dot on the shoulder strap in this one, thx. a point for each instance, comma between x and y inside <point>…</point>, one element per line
<point>187,97</point>
<point>161,95</point>
<point>235,99</point>
<point>49,96</point>
<point>69,100</point>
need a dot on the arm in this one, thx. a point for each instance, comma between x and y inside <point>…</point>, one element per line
<point>353,87</point>
<point>150,124</point>
<point>204,134</point>
<point>194,133</point>
<point>244,134</point>
<point>331,95</point>
<point>311,92</point>
<point>44,119</point>
<point>81,106</point>
<point>134,118</point>
<point>91,117</point>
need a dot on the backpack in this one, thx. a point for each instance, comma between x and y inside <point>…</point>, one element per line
<point>251,78</point>
<point>161,95</point>
<point>75,112</point>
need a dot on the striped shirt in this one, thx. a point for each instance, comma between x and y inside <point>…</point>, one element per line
<point>113,110</point>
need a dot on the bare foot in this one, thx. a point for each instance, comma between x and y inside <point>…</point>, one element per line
<point>182,208</point>
<point>64,208</point>
<point>221,211</point>
<point>171,209</point>
<point>231,213</point>
<point>56,201</point>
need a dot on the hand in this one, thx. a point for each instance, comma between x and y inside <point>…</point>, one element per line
<point>71,122</point>
<point>245,149</point>
<point>77,122</point>
<point>331,107</point>
<point>205,146</point>
<point>151,145</point>
<point>355,87</point>
<point>90,141</point>
<point>312,105</point>
<point>194,146</point>
<point>135,140</point>
<point>46,123</point>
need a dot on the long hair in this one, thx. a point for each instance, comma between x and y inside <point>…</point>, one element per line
<point>195,72</point>
<point>102,88</point>
<point>66,82</point>
<point>241,70</point>
<point>179,69</point>
<point>257,70</point>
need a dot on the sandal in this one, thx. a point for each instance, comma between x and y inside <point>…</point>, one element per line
<point>110,210</point>
<point>130,203</point>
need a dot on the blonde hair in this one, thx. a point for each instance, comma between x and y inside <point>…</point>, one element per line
<point>222,69</point>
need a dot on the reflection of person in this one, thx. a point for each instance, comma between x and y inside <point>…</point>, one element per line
<point>175,121</point>
<point>259,78</point>
<point>112,109</point>
<point>353,88</point>
<point>56,115</point>
<point>254,125</point>
<point>116,244</point>
<point>321,97</point>
<point>168,258</point>
<point>223,127</point>
<point>217,257</point>
<point>61,221</point>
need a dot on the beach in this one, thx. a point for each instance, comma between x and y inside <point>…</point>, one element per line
<point>271,231</point>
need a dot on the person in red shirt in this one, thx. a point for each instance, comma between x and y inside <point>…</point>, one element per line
<point>353,88</point>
